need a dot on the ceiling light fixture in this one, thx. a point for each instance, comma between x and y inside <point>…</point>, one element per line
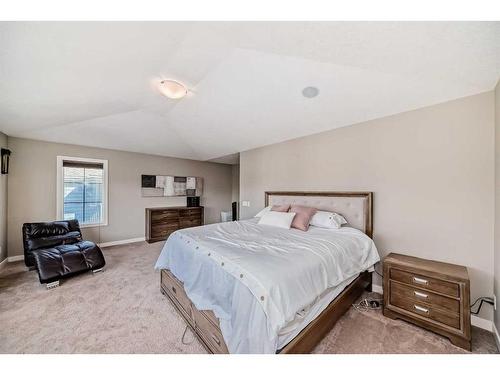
<point>310,92</point>
<point>172,89</point>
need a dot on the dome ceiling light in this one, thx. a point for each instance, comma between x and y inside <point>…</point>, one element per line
<point>310,92</point>
<point>172,89</point>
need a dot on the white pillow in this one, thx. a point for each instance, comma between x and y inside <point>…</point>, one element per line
<point>262,212</point>
<point>277,219</point>
<point>329,220</point>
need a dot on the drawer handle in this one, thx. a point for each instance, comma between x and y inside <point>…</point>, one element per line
<point>419,294</point>
<point>421,309</point>
<point>418,280</point>
<point>216,339</point>
<point>174,290</point>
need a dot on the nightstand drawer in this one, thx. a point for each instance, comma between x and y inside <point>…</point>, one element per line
<point>446,317</point>
<point>425,282</point>
<point>423,296</point>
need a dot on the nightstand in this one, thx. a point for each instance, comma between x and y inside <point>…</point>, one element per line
<point>430,294</point>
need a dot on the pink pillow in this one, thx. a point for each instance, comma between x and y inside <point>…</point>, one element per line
<point>303,216</point>
<point>280,208</point>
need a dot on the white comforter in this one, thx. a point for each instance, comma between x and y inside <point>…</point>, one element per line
<point>256,278</point>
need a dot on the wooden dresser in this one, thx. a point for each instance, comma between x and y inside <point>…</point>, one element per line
<point>433,295</point>
<point>162,221</point>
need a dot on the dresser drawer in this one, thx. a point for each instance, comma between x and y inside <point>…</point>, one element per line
<point>188,222</point>
<point>162,232</point>
<point>164,226</point>
<point>174,289</point>
<point>196,211</point>
<point>425,282</point>
<point>210,333</point>
<point>164,215</point>
<point>430,312</point>
<point>423,296</point>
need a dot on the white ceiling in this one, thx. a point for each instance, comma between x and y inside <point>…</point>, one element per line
<point>93,83</point>
<point>233,159</point>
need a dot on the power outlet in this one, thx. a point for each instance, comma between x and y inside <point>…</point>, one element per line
<point>245,203</point>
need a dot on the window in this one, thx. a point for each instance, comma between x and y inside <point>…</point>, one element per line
<point>82,190</point>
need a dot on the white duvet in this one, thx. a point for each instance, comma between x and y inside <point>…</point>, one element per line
<point>257,278</point>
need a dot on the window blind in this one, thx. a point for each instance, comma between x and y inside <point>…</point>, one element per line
<point>79,164</point>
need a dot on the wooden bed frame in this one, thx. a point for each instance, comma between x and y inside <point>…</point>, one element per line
<point>206,326</point>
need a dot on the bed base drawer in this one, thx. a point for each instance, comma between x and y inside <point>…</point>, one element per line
<point>211,317</point>
<point>210,332</point>
<point>206,325</point>
<point>175,291</point>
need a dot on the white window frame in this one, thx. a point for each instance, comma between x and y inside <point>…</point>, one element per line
<point>60,188</point>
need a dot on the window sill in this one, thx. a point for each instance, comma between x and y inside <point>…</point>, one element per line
<point>93,225</point>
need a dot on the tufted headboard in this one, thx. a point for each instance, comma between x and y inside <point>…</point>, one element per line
<point>356,207</point>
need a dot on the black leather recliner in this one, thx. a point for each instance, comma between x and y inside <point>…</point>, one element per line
<point>56,249</point>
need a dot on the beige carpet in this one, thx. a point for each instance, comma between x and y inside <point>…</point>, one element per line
<point>121,310</point>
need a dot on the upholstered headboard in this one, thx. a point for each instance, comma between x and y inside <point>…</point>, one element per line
<point>356,207</point>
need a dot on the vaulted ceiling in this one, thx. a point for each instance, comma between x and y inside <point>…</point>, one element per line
<point>93,83</point>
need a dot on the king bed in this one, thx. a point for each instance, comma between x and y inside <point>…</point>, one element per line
<point>243,287</point>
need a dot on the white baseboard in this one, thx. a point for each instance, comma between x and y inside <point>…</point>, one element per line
<point>377,289</point>
<point>121,242</point>
<point>497,335</point>
<point>475,320</point>
<point>15,258</point>
<point>3,263</point>
<point>486,324</point>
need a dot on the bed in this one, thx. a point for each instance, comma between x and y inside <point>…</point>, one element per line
<point>248,288</point>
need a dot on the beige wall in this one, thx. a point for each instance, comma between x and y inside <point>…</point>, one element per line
<point>431,171</point>
<point>497,204</point>
<point>32,188</point>
<point>235,195</point>
<point>3,206</point>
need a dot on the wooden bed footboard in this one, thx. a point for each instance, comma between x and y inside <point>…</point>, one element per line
<point>206,326</point>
